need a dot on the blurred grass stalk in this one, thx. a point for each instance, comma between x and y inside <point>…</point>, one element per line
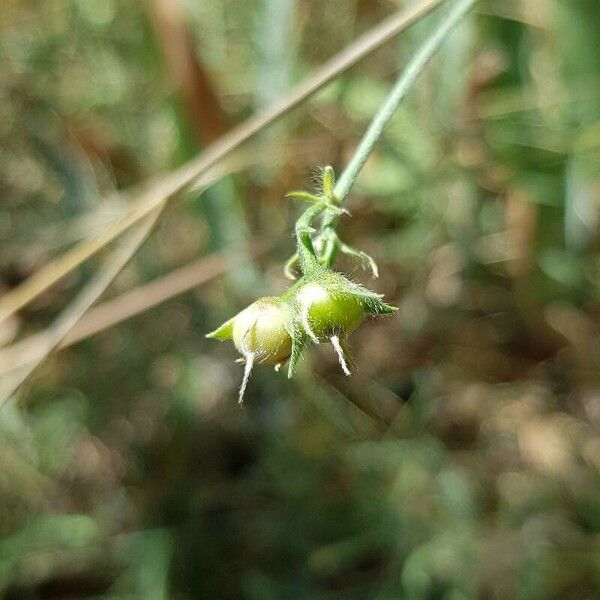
<point>131,303</point>
<point>72,314</point>
<point>52,337</point>
<point>201,120</point>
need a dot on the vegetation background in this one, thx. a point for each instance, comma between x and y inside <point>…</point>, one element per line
<point>461,460</point>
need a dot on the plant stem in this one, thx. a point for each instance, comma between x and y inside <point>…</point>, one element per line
<point>406,80</point>
<point>303,232</point>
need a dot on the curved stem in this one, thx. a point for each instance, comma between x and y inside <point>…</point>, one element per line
<point>306,252</point>
<point>407,78</point>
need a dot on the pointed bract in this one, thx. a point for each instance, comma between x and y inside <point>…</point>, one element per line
<point>224,332</point>
<point>362,256</point>
<point>298,343</point>
<point>335,342</point>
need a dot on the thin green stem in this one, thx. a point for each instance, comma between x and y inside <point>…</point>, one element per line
<point>406,80</point>
<point>404,83</point>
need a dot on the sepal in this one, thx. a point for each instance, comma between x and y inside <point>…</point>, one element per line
<point>224,332</point>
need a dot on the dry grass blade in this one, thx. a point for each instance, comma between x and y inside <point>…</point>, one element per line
<point>70,316</point>
<point>143,298</point>
<point>186,177</point>
<point>129,304</point>
<point>84,300</point>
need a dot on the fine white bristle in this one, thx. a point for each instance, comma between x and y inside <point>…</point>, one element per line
<point>247,372</point>
<point>335,342</point>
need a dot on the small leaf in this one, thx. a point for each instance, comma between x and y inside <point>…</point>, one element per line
<point>335,209</point>
<point>357,289</point>
<point>326,202</point>
<point>375,306</point>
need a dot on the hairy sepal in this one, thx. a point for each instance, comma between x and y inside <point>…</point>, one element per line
<point>324,303</point>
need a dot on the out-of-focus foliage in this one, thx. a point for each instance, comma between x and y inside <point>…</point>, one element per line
<point>462,458</point>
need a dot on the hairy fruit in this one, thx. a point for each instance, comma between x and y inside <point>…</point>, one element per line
<point>259,335</point>
<point>322,306</point>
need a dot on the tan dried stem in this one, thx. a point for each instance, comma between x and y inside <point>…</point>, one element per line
<point>129,304</point>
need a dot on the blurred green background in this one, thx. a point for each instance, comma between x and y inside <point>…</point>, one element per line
<point>461,459</point>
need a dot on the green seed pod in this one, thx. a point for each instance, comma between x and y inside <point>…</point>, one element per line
<point>324,312</point>
<point>260,330</point>
<point>259,334</point>
<point>326,306</point>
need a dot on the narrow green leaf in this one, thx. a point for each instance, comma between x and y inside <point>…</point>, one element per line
<point>298,343</point>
